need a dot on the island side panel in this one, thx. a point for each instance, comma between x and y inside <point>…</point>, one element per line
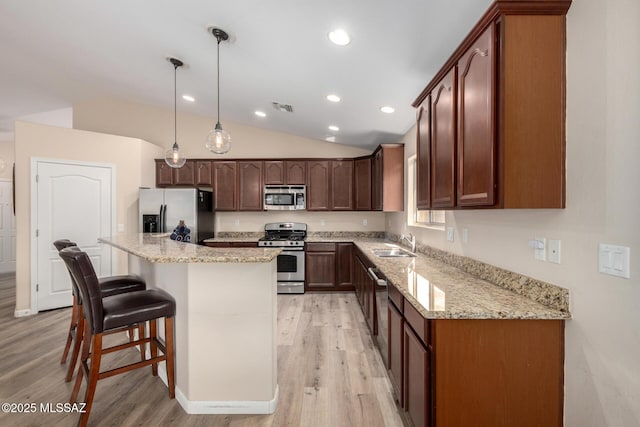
<point>232,318</point>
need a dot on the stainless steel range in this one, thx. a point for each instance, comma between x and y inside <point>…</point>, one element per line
<point>289,236</point>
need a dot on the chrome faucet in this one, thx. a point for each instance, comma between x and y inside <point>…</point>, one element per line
<point>411,240</point>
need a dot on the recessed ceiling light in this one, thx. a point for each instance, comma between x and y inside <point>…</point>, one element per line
<point>339,37</point>
<point>261,114</point>
<point>387,109</point>
<point>333,98</point>
<point>334,128</point>
<point>188,98</point>
<point>330,138</point>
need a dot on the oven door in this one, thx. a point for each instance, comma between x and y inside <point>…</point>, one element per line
<point>291,265</point>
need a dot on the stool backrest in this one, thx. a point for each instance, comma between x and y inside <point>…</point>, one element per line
<point>79,264</point>
<point>60,245</point>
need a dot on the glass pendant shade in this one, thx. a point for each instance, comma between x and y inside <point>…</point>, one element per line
<point>174,158</point>
<point>218,140</point>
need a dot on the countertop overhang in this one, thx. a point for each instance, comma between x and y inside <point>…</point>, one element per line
<point>159,248</point>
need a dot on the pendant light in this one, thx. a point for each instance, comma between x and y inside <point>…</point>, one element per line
<point>218,140</point>
<point>174,157</point>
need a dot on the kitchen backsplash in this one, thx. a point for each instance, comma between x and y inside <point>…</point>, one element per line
<point>253,222</point>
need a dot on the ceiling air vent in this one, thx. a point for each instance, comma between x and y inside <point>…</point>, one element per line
<point>282,107</point>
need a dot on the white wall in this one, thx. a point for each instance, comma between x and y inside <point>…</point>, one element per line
<point>130,156</point>
<point>602,361</point>
<point>156,125</point>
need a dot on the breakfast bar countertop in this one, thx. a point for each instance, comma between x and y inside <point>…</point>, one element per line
<point>159,248</point>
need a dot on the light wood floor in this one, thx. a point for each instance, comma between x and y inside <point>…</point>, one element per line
<point>329,372</point>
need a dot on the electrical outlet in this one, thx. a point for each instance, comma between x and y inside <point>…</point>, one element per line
<point>539,245</point>
<point>450,234</point>
<point>365,222</point>
<point>465,235</point>
<point>553,251</point>
<point>322,222</point>
<point>237,222</point>
<point>120,228</point>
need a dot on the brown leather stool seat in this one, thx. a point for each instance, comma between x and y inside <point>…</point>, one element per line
<point>114,313</point>
<point>109,286</point>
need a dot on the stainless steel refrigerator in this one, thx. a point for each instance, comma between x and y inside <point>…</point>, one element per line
<point>161,210</point>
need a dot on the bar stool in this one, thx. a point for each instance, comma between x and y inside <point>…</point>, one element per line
<point>111,285</point>
<point>116,313</point>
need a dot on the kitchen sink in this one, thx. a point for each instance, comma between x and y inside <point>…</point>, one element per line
<point>392,253</point>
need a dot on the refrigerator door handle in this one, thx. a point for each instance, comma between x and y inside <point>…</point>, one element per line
<point>161,222</point>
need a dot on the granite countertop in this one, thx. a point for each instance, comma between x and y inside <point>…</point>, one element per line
<point>441,291</point>
<point>159,248</point>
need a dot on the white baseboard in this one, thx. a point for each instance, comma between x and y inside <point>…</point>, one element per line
<point>225,406</point>
<point>22,313</point>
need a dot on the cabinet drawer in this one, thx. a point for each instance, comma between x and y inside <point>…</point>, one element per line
<point>396,297</point>
<point>417,322</point>
<point>320,247</point>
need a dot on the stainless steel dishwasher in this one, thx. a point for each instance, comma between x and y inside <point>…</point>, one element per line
<point>382,338</point>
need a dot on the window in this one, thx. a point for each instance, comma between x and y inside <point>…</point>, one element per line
<point>415,217</point>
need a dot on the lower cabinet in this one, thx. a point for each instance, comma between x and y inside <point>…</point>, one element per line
<point>328,266</point>
<point>475,372</point>
<point>416,375</point>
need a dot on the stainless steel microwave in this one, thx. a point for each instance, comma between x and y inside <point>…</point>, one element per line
<point>285,197</point>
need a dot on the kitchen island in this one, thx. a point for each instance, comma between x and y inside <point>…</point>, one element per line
<point>225,324</point>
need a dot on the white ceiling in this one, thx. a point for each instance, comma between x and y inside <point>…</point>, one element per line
<point>55,53</point>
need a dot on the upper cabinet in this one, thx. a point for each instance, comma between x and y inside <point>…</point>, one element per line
<point>318,185</point>
<point>169,177</point>
<point>341,185</point>
<point>387,185</point>
<point>224,185</point>
<point>250,185</point>
<point>295,172</point>
<point>443,142</point>
<point>423,153</point>
<point>495,135</point>
<point>476,120</point>
<point>362,184</point>
<point>203,173</point>
<point>274,172</point>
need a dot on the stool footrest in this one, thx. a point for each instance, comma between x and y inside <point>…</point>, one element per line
<point>131,367</point>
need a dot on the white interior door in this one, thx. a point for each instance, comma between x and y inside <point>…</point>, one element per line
<point>73,201</point>
<point>7,229</point>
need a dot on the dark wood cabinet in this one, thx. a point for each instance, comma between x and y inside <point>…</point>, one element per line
<point>476,123</point>
<point>224,185</point>
<point>344,274</point>
<point>396,350</point>
<point>362,184</point>
<point>443,142</point>
<point>186,175</point>
<point>341,188</point>
<point>320,266</point>
<point>250,185</point>
<point>365,289</point>
<point>423,155</point>
<point>416,380</point>
<point>203,173</point>
<point>387,185</point>
<point>318,185</point>
<point>274,172</point>
<point>295,172</point>
<point>164,174</point>
<point>328,266</point>
<point>497,122</point>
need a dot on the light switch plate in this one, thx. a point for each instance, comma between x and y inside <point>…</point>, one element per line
<point>614,260</point>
